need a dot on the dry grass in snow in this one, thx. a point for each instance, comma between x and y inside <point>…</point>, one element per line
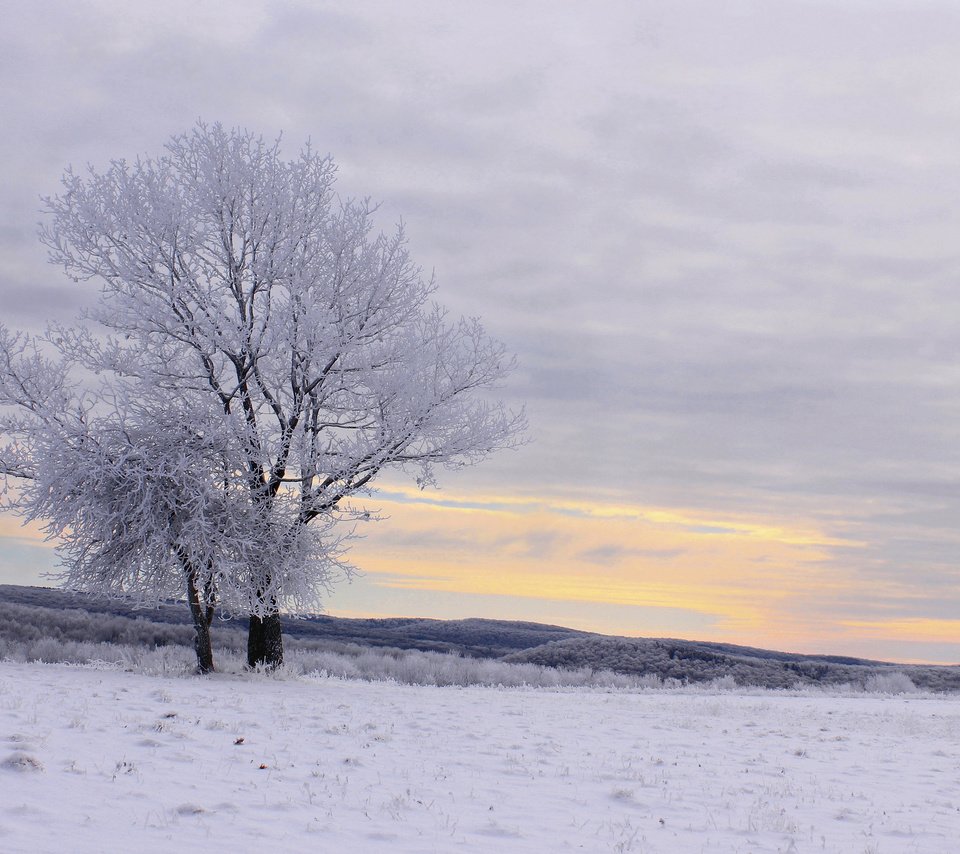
<point>109,761</point>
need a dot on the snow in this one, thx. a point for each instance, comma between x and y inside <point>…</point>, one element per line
<point>101,760</point>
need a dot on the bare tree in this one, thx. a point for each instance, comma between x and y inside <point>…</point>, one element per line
<point>300,350</point>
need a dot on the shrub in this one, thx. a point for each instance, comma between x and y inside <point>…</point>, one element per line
<point>895,682</point>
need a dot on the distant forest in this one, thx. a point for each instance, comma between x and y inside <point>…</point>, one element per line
<point>45,624</point>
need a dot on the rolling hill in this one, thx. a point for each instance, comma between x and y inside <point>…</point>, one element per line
<point>37,612</point>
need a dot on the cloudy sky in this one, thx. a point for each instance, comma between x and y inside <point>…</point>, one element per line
<point>721,238</point>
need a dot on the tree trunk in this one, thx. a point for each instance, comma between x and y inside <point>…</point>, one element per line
<point>265,641</point>
<point>202,614</point>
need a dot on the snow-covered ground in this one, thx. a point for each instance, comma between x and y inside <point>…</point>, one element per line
<point>107,761</point>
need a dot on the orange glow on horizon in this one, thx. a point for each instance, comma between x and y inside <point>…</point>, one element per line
<point>31,533</point>
<point>740,573</point>
<point>913,629</point>
<point>754,580</point>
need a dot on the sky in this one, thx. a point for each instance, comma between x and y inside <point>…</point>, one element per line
<point>720,238</point>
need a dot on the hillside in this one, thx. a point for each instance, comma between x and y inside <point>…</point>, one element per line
<point>170,623</point>
<point>692,662</point>
<point>32,613</point>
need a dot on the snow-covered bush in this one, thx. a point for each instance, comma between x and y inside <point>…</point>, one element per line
<point>895,682</point>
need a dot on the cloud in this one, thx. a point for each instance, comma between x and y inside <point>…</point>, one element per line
<point>616,553</point>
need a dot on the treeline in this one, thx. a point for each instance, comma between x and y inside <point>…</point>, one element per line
<point>691,663</point>
<point>473,637</point>
<point>35,633</point>
<point>43,624</point>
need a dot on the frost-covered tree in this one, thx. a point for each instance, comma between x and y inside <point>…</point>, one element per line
<point>143,501</point>
<point>258,355</point>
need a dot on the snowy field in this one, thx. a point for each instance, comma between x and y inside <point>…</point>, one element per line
<point>101,760</point>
